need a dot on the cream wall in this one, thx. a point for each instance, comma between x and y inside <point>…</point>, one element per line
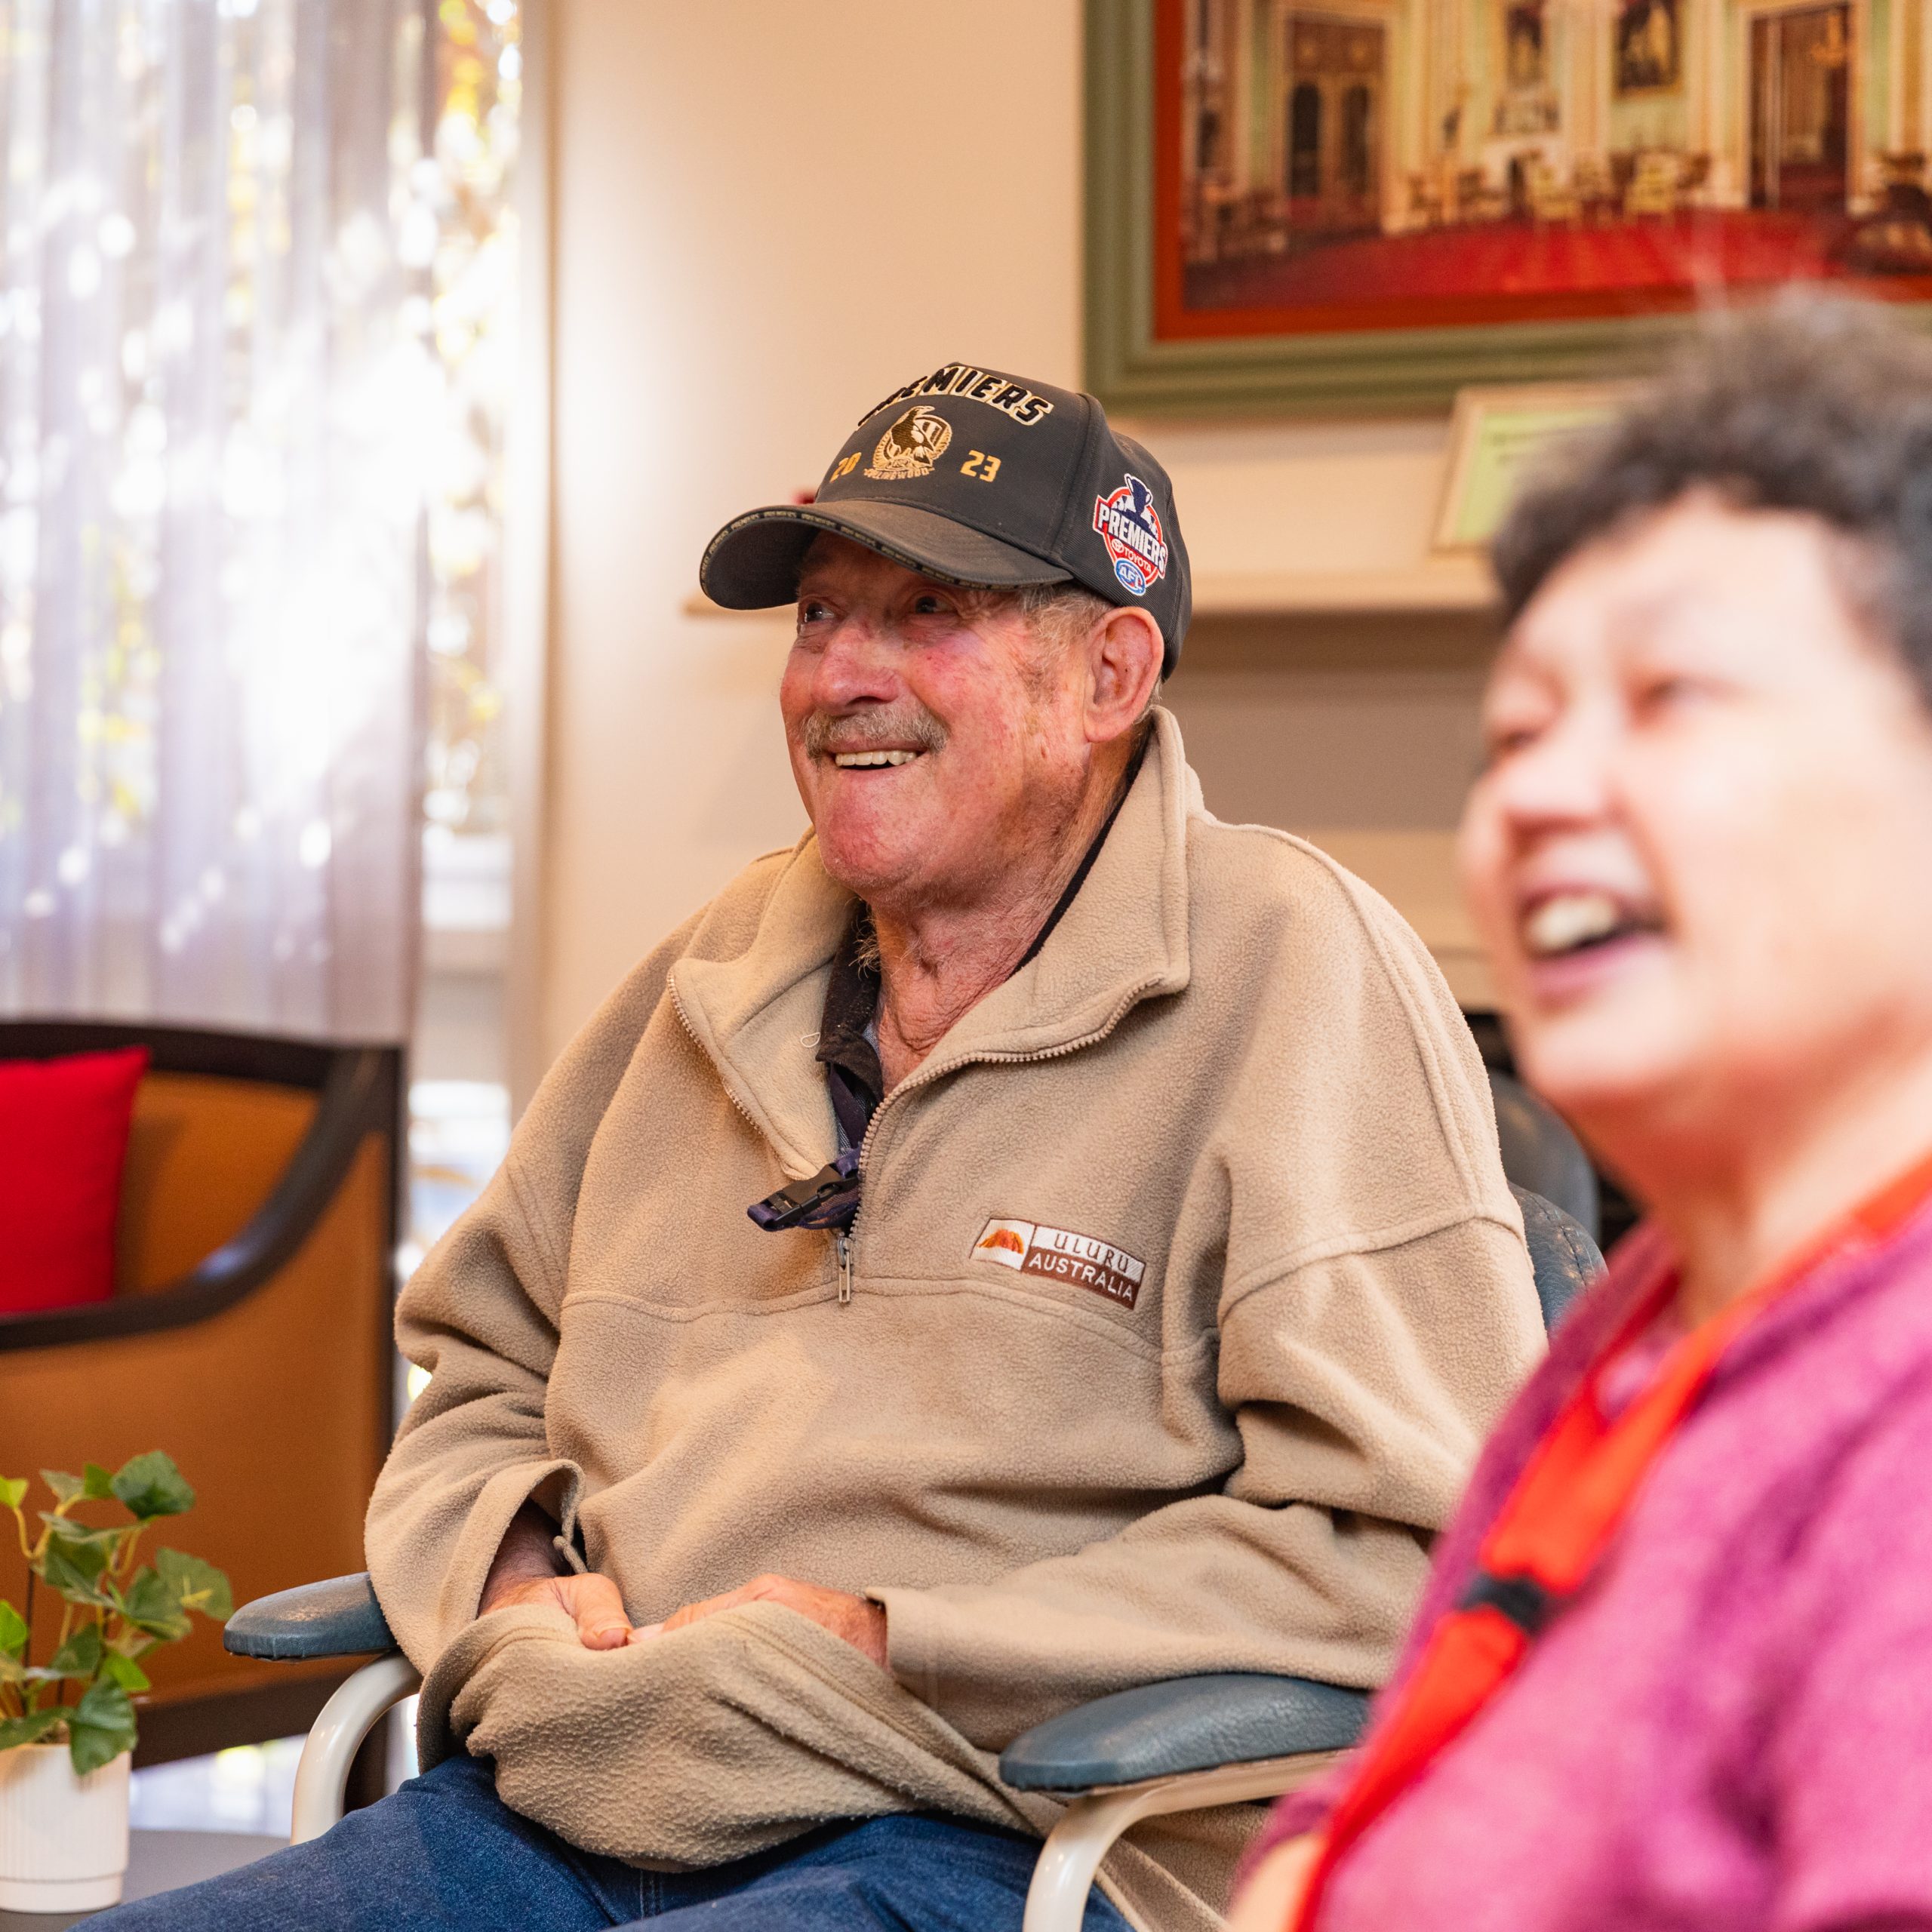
<point>768,215</point>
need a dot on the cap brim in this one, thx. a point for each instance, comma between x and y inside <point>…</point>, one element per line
<point>753,562</point>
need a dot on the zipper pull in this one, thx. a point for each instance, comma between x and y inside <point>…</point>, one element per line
<point>843,1241</point>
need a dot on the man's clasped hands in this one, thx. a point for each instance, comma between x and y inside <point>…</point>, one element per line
<point>525,1572</point>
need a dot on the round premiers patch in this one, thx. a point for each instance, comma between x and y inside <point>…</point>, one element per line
<point>1127,523</point>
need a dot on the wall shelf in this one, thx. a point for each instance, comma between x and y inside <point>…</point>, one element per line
<point>1449,584</point>
<point>1446,585</point>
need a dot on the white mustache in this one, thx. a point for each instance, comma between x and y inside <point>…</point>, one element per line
<point>824,733</point>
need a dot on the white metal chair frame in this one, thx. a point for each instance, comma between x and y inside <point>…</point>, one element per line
<point>1062,1878</point>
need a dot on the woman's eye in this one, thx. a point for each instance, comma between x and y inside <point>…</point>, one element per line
<point>1506,741</point>
<point>1664,694</point>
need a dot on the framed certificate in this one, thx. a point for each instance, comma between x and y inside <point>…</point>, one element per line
<point>1496,438</point>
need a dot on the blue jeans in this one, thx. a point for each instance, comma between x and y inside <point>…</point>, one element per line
<point>446,1851</point>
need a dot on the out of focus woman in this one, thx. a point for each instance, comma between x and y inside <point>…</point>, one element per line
<point>1674,1665</point>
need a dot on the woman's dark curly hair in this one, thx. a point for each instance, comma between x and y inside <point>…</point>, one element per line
<point>1823,407</point>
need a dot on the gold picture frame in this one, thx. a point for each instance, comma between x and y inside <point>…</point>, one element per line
<point>1449,211</point>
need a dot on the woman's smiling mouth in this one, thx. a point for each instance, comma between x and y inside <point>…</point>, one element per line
<point>1561,924</point>
<point>1575,937</point>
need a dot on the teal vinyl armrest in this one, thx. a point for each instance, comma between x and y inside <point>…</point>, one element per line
<point>340,1618</point>
<point>1187,1724</point>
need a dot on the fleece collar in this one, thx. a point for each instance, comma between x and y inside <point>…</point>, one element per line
<point>1123,939</point>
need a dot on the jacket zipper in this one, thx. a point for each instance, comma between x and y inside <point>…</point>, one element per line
<point>684,1020</point>
<point>929,1073</point>
<point>842,1239</point>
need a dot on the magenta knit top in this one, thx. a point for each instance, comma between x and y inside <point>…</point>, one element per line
<point>1731,1725</point>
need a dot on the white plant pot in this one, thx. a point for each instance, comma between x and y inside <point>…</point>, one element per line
<point>63,1839</point>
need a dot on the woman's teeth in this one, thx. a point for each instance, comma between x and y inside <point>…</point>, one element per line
<point>865,761</point>
<point>1571,920</point>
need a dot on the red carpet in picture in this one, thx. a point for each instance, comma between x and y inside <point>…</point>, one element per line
<point>1703,249</point>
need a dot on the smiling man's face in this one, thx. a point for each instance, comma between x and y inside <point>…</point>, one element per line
<point>935,738</point>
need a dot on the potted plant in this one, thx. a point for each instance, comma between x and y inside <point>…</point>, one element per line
<point>67,1724</point>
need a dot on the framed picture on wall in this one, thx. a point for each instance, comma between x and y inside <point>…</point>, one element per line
<point>1649,58</point>
<point>1348,205</point>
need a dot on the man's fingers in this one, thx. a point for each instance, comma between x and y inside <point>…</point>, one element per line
<point>760,1589</point>
<point>593,1600</point>
<point>693,1613</point>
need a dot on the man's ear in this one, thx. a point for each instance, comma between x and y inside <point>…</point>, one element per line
<point>1124,653</point>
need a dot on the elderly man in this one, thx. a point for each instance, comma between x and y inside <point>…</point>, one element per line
<point>1027,1239</point>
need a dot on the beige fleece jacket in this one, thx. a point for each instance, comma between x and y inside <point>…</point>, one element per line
<point>1186,1283</point>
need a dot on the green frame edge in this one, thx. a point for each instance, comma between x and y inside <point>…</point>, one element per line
<point>1389,372</point>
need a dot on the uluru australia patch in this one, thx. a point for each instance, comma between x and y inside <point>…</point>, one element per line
<point>1060,1255</point>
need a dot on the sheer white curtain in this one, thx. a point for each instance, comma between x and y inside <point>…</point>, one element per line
<point>215,395</point>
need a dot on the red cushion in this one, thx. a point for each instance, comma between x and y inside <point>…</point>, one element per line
<point>63,1141</point>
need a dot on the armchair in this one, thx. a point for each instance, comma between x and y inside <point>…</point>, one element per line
<point>248,1333</point>
<point>1655,184</point>
<point>1187,1744</point>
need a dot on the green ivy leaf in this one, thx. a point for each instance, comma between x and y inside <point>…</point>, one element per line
<point>96,1483</point>
<point>29,1730</point>
<point>154,1606</point>
<point>80,1655</point>
<point>13,1631</point>
<point>125,1671</point>
<point>74,1558</point>
<point>100,1726</point>
<point>13,1491</point>
<point>66,1488</point>
<point>70,1530</point>
<point>197,1585</point>
<point>150,1486</point>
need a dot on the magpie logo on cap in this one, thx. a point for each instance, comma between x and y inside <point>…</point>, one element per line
<point>971,476</point>
<point>911,447</point>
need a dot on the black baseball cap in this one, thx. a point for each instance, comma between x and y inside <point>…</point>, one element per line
<point>975,477</point>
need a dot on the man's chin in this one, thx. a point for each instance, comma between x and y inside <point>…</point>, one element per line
<point>876,870</point>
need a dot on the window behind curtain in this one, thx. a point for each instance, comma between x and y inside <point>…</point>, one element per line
<point>255,273</point>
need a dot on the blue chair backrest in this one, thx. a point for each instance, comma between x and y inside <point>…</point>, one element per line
<point>1540,1153</point>
<point>1563,1257</point>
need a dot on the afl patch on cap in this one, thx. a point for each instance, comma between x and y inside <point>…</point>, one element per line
<point>1127,523</point>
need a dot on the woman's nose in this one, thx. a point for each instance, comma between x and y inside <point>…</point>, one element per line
<point>1560,778</point>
